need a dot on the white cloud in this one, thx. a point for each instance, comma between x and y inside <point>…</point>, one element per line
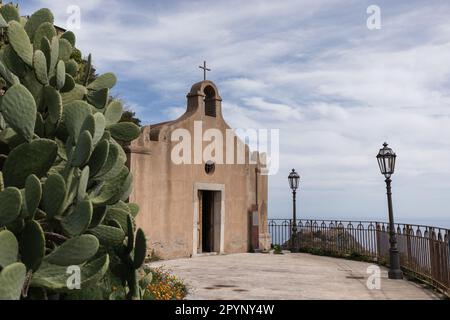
<point>312,69</point>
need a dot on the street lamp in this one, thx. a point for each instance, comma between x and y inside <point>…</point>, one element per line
<point>386,160</point>
<point>294,179</point>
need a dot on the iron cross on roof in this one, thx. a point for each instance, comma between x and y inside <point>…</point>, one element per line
<point>204,70</point>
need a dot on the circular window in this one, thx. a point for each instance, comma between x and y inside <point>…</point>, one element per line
<point>210,167</point>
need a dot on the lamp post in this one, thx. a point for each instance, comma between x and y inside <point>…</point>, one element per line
<point>294,179</point>
<point>386,160</point>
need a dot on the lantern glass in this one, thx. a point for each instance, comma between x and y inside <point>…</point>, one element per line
<point>294,180</point>
<point>386,161</point>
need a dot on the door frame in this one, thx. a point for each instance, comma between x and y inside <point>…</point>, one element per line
<point>198,186</point>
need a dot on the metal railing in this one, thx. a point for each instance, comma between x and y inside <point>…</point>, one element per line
<point>424,250</point>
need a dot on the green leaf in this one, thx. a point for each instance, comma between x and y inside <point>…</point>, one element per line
<point>78,221</point>
<point>35,88</point>
<point>119,215</point>
<point>45,47</point>
<point>107,80</point>
<point>20,42</point>
<point>112,190</point>
<point>54,194</point>
<point>140,249</point>
<point>69,83</point>
<point>23,21</point>
<point>6,74</point>
<point>98,98</point>
<point>130,236</point>
<point>10,204</point>
<point>98,157</point>
<point>39,125</point>
<point>53,102</point>
<point>45,31</point>
<point>19,110</point>
<point>12,279</point>
<point>89,124</point>
<point>13,62</point>
<point>9,249</point>
<point>69,36</point>
<point>113,164</point>
<point>134,209</point>
<point>65,49</point>
<point>60,75</point>
<point>54,277</point>
<point>9,12</point>
<point>54,46</point>
<point>74,251</point>
<point>3,23</point>
<point>77,93</point>
<point>83,184</point>
<point>113,112</point>
<point>124,131</point>
<point>98,215</point>
<point>32,245</point>
<point>74,115</point>
<point>87,69</point>
<point>107,235</point>
<point>40,67</point>
<point>72,67</point>
<point>37,19</point>
<point>35,157</point>
<point>100,124</point>
<point>83,149</point>
<point>33,194</point>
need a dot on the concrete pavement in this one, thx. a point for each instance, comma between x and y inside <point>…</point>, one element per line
<point>288,276</point>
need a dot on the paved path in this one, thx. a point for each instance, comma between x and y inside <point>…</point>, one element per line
<point>287,276</point>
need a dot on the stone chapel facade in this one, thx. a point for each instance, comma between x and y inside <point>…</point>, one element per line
<point>201,205</point>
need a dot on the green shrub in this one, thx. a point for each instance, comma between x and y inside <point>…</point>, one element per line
<point>162,285</point>
<point>63,178</point>
<point>277,249</point>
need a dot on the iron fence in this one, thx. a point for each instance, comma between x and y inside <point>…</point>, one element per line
<point>424,250</point>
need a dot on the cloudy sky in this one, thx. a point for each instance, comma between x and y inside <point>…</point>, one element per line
<point>311,68</point>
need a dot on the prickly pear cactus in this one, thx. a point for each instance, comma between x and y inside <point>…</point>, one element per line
<point>63,178</point>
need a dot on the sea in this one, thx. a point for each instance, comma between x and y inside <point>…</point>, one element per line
<point>438,222</point>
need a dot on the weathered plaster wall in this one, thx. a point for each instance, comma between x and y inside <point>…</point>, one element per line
<point>165,191</point>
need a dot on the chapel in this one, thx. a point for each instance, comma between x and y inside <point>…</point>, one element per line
<point>200,188</point>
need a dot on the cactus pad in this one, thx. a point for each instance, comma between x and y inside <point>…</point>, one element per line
<point>32,245</point>
<point>107,80</point>
<point>45,31</point>
<point>53,102</point>
<point>74,115</point>
<point>76,250</point>
<point>36,19</point>
<point>35,157</point>
<point>113,112</point>
<point>78,221</point>
<point>54,194</point>
<point>33,194</point>
<point>108,235</point>
<point>83,149</point>
<point>19,110</point>
<point>54,277</point>
<point>20,42</point>
<point>12,279</point>
<point>10,204</point>
<point>124,131</point>
<point>9,12</point>
<point>9,249</point>
<point>40,67</point>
